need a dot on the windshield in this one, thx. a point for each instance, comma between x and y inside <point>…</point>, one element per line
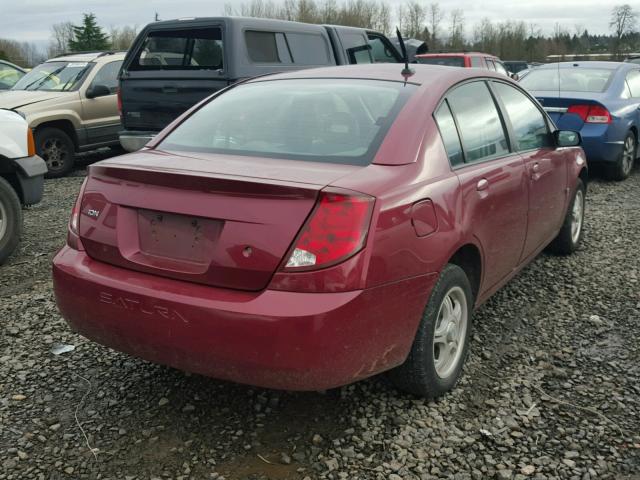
<point>446,61</point>
<point>54,77</point>
<point>575,79</point>
<point>322,120</point>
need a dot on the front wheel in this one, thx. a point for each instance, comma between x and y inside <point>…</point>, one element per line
<point>10,220</point>
<point>56,149</point>
<point>570,235</point>
<point>623,167</point>
<point>440,347</point>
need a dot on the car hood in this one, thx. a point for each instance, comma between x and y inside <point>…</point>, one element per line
<point>13,99</point>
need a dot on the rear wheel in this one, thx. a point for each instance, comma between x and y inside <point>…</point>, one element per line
<point>571,233</point>
<point>623,167</point>
<point>56,149</point>
<point>10,220</point>
<point>440,346</point>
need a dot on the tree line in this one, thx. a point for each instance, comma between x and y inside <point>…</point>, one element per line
<point>440,28</point>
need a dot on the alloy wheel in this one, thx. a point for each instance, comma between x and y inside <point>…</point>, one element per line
<point>450,332</point>
<point>55,153</point>
<point>628,155</point>
<point>577,216</point>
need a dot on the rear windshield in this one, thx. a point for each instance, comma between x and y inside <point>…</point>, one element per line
<point>322,120</point>
<point>446,61</point>
<point>191,49</point>
<point>576,79</point>
<point>54,76</point>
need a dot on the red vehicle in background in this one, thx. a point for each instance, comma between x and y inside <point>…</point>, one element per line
<point>309,229</point>
<point>464,59</point>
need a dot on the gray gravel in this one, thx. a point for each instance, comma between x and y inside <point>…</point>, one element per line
<point>551,388</point>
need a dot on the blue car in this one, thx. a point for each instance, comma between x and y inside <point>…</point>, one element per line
<point>601,100</point>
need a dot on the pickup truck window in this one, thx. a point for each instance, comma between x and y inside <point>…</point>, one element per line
<point>309,49</point>
<point>180,49</point>
<point>320,120</point>
<point>267,47</point>
<point>381,50</point>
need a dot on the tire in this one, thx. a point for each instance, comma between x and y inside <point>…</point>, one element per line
<point>425,372</point>
<point>623,167</point>
<point>571,232</point>
<point>10,220</point>
<point>56,149</point>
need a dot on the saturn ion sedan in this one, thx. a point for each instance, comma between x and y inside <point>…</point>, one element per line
<point>306,230</point>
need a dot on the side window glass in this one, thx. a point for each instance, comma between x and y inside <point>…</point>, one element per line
<point>382,52</point>
<point>490,64</point>
<point>309,49</point>
<point>108,76</point>
<point>528,122</point>
<point>501,69</point>
<point>449,134</point>
<point>267,47</point>
<point>481,128</point>
<point>633,80</point>
<point>476,62</point>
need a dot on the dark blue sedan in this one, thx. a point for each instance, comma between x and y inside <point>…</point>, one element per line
<point>601,100</point>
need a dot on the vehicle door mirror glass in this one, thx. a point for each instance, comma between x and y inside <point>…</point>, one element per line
<point>567,138</point>
<point>98,91</point>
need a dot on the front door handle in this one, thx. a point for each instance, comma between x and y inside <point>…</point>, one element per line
<point>483,184</point>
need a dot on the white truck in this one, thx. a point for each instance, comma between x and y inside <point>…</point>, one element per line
<point>21,178</point>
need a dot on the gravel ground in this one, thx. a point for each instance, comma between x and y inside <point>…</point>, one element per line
<point>551,388</point>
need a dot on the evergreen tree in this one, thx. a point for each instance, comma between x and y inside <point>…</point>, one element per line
<point>88,36</point>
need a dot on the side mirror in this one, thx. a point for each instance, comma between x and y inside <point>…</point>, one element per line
<point>98,91</point>
<point>567,138</point>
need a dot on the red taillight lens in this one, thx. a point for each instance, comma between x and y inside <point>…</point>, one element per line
<point>591,113</point>
<point>336,230</point>
<point>119,97</point>
<point>73,236</point>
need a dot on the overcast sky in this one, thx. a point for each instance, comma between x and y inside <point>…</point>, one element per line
<point>31,20</point>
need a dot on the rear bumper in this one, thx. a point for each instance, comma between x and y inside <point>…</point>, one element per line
<point>601,142</point>
<point>273,339</point>
<point>133,141</point>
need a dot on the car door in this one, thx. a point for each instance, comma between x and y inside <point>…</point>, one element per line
<point>100,114</point>
<point>493,182</point>
<point>545,165</point>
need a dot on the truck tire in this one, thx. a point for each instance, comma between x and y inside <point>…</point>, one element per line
<point>56,149</point>
<point>10,220</point>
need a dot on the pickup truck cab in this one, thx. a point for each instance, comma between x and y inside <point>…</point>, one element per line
<point>174,64</point>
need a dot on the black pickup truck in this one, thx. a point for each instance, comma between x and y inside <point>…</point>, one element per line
<point>174,64</point>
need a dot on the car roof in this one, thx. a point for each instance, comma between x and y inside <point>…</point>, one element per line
<point>454,54</point>
<point>88,57</point>
<point>423,74</point>
<point>579,63</point>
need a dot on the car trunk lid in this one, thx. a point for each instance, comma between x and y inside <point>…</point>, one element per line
<point>556,106</point>
<point>223,221</point>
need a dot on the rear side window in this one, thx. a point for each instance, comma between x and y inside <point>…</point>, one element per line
<point>490,64</point>
<point>445,61</point>
<point>633,81</point>
<point>190,49</point>
<point>309,49</point>
<point>529,124</point>
<point>267,47</point>
<point>500,68</point>
<point>449,134</point>
<point>381,50</point>
<point>476,62</point>
<point>320,120</point>
<point>481,129</point>
<point>108,76</point>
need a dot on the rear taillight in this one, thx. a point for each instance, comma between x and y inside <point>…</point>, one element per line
<point>336,230</point>
<point>73,236</point>
<point>591,113</point>
<point>119,97</point>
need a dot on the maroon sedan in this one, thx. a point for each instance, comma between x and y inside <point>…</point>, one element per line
<point>306,230</point>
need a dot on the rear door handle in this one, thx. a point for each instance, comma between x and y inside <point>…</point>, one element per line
<point>483,184</point>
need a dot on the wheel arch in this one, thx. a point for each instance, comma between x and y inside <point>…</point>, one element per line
<point>469,258</point>
<point>62,124</point>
